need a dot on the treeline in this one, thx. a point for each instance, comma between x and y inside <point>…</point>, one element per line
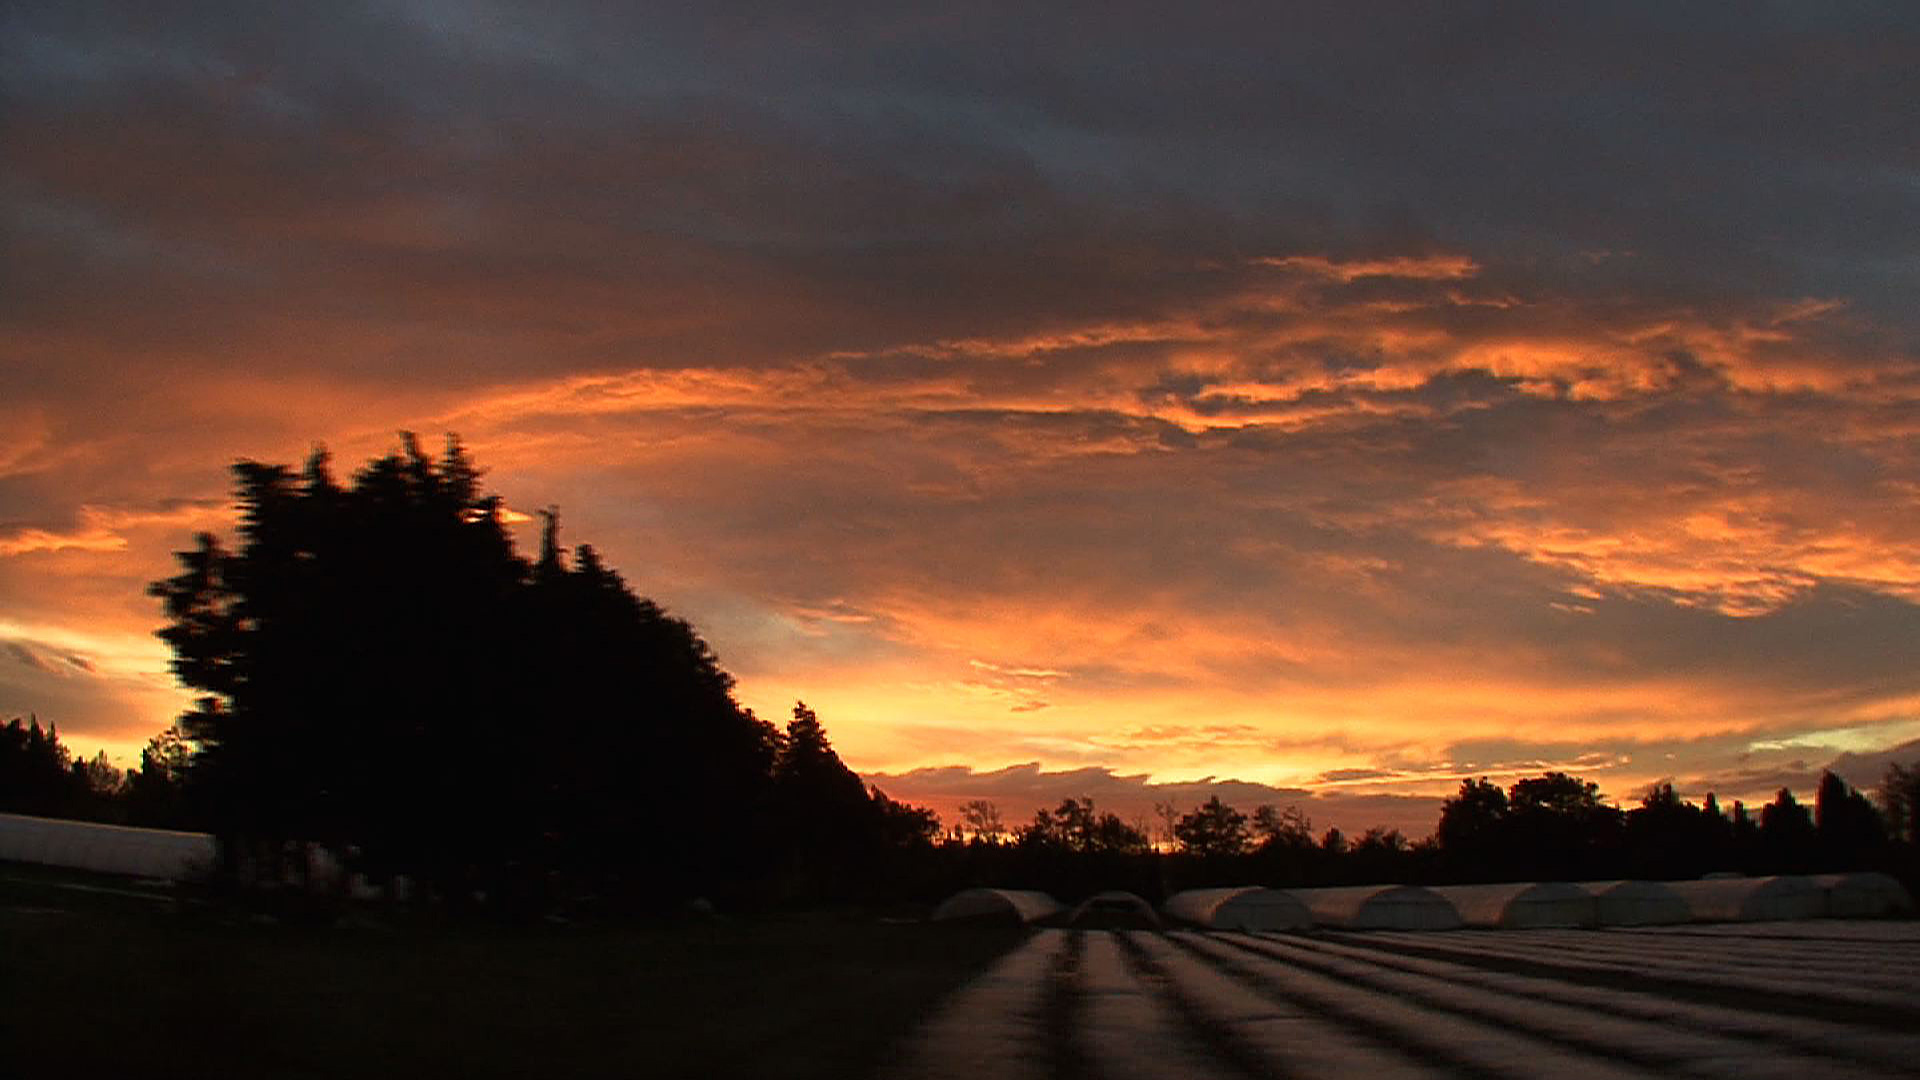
<point>1550,827</point>
<point>39,775</point>
<point>384,678</point>
<point>1554,827</point>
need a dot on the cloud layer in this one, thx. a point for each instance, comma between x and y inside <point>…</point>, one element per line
<point>1282,397</point>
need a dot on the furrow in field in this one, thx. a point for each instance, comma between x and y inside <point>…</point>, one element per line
<point>1884,967</point>
<point>1061,1012</point>
<point>1486,951</point>
<point>1273,1038</point>
<point>1847,932</point>
<point>1876,1052</point>
<point>1657,958</point>
<point>992,1026</point>
<point>1627,1040</point>
<point>1449,1038</point>
<point>1128,1029</point>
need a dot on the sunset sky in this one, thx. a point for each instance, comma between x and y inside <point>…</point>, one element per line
<point>1333,399</point>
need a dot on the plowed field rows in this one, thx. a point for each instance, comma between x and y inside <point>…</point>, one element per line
<point>1816,999</point>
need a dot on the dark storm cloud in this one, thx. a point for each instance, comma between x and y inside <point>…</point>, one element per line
<point>965,170</point>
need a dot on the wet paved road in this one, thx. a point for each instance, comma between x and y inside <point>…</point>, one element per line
<point>1801,1000</point>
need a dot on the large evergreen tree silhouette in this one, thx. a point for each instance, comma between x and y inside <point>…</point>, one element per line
<point>381,674</point>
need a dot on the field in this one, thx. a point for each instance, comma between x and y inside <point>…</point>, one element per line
<point>1812,999</point>
<point>95,982</point>
<point>98,978</point>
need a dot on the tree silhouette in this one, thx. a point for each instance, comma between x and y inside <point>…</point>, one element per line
<point>1281,830</point>
<point>156,791</point>
<point>1667,837</point>
<point>1900,802</point>
<point>981,818</point>
<point>1562,825</point>
<point>1849,830</point>
<point>382,675</point>
<point>1472,831</point>
<point>1215,830</point>
<point>1075,827</point>
<point>36,772</point>
<point>1787,835</point>
<point>1380,855</point>
<point>837,834</point>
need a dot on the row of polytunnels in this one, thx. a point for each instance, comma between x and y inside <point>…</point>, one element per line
<point>155,853</point>
<point>1515,905</point>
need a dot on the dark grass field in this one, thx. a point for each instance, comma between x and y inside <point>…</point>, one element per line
<point>97,983</point>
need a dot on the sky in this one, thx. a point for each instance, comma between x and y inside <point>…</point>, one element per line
<point>1310,403</point>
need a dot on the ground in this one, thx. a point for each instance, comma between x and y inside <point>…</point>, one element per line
<point>1820,998</point>
<point>95,981</point>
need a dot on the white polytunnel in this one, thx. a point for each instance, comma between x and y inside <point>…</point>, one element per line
<point>1520,905</point>
<point>1115,910</point>
<point>1379,907</point>
<point>106,849</point>
<point>1637,903</point>
<point>998,905</point>
<point>1752,899</point>
<point>1863,895</point>
<point>1248,907</point>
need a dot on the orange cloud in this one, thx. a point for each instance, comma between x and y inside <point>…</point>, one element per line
<point>1413,267</point>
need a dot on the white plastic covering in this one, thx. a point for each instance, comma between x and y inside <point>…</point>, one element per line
<point>1114,908</point>
<point>1863,895</point>
<point>1013,905</point>
<point>107,849</point>
<point>1379,907</point>
<point>1518,905</point>
<point>1745,899</point>
<point>1637,903</point>
<point>1246,908</point>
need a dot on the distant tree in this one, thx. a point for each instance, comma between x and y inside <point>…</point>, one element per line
<point>824,810</point>
<point>101,777</point>
<point>1473,828</point>
<point>1380,855</point>
<point>1849,829</point>
<point>1275,829</point>
<point>1214,830</point>
<point>1559,827</point>
<point>981,819</point>
<point>902,825</point>
<point>1052,828</point>
<point>1900,802</point>
<point>1334,843</point>
<point>1787,836</point>
<point>1719,826</point>
<point>1168,815</point>
<point>1560,794</point>
<point>1075,827</point>
<point>1667,837</point>
<point>1380,838</point>
<point>156,791</point>
<point>808,770</point>
<point>837,834</point>
<point>1284,847</point>
<point>38,774</point>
